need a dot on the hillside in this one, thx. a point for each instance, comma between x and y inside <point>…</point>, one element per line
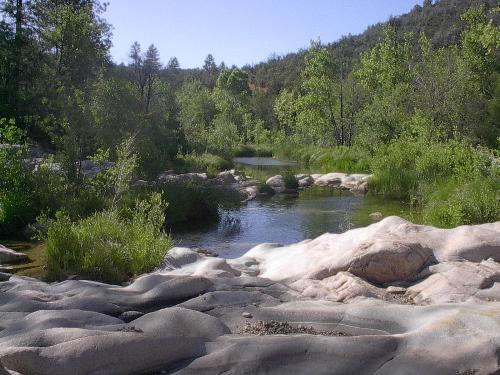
<point>440,21</point>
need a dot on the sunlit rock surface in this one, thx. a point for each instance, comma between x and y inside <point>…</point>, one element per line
<point>391,298</point>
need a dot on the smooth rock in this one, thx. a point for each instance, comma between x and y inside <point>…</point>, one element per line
<point>277,183</point>
<point>8,256</point>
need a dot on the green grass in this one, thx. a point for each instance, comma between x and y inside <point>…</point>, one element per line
<point>253,150</point>
<point>202,163</point>
<point>107,246</point>
<point>450,204</point>
<point>325,160</point>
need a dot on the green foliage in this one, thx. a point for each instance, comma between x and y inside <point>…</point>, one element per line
<point>224,136</point>
<point>204,162</point>
<point>253,151</point>
<point>197,110</point>
<point>325,160</point>
<point>403,167</point>
<point>106,246</point>
<point>9,132</point>
<point>452,203</point>
<point>290,181</point>
<point>16,203</point>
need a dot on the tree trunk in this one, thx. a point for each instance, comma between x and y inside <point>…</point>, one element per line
<point>18,52</point>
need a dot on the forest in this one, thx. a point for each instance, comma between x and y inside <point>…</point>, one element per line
<point>414,101</point>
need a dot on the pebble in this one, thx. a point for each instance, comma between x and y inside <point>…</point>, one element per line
<point>247,315</point>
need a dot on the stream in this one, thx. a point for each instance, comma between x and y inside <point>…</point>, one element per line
<point>282,218</point>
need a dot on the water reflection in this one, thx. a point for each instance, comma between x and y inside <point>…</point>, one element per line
<point>280,219</point>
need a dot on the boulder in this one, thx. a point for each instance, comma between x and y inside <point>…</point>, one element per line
<point>305,181</point>
<point>376,216</point>
<point>91,168</point>
<point>226,177</point>
<point>277,183</point>
<point>8,256</point>
<point>330,179</point>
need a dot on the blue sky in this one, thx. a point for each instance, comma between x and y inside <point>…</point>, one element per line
<point>236,31</point>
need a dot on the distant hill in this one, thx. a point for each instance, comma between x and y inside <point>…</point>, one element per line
<point>439,20</point>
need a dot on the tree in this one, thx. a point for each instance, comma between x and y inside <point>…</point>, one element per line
<point>151,69</point>
<point>137,65</point>
<point>319,109</point>
<point>196,113</point>
<point>209,63</point>
<point>209,71</point>
<point>173,64</point>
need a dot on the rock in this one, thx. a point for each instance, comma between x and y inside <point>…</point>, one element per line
<point>320,304</point>
<point>251,192</point>
<point>226,177</point>
<point>305,182</point>
<point>116,351</point>
<point>173,178</point>
<point>376,216</point>
<point>129,316</point>
<point>4,276</point>
<point>277,183</point>
<point>142,183</point>
<point>396,290</point>
<point>330,179</point>
<point>91,168</point>
<point>8,256</point>
<point>361,188</point>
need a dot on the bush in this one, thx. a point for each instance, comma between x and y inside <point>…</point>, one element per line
<point>253,151</point>
<point>265,189</point>
<point>106,246</point>
<point>205,162</point>
<point>290,181</point>
<point>16,203</point>
<point>401,168</point>
<point>471,202</point>
<point>324,160</point>
<point>191,202</point>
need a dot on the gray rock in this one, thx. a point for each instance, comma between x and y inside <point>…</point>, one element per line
<point>247,315</point>
<point>8,256</point>
<point>277,183</point>
<point>129,316</point>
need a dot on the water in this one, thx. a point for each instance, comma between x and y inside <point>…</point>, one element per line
<point>280,219</point>
<point>285,219</point>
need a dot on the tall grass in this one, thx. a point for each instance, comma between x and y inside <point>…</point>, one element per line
<point>324,160</point>
<point>203,163</point>
<point>107,246</point>
<point>451,182</point>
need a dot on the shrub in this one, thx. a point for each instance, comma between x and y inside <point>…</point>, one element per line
<point>205,162</point>
<point>290,181</point>
<point>16,203</point>
<point>107,246</point>
<point>253,150</point>
<point>191,202</point>
<point>404,166</point>
<point>265,189</point>
<point>452,203</point>
<point>334,159</point>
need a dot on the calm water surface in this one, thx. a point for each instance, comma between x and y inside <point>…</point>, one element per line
<point>285,219</point>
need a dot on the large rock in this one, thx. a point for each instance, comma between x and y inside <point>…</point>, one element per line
<point>151,343</point>
<point>277,183</point>
<point>10,256</point>
<point>391,298</point>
